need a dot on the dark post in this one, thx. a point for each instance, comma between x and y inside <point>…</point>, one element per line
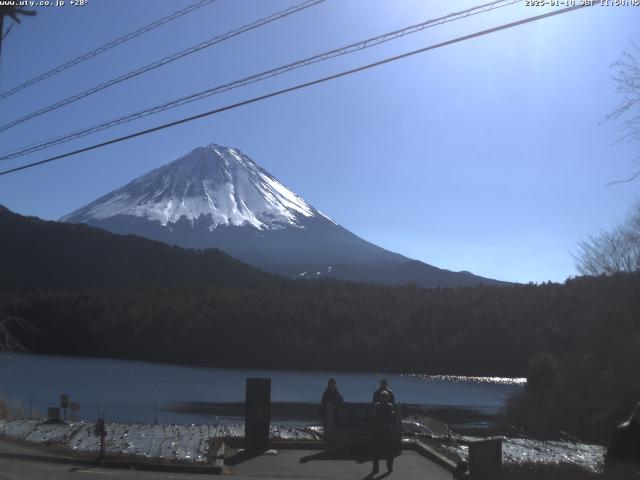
<point>485,459</point>
<point>257,414</point>
<point>75,411</point>
<point>397,430</point>
<point>53,413</point>
<point>330,427</point>
<point>101,431</point>
<point>64,403</point>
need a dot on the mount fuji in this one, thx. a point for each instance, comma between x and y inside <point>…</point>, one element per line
<point>217,197</point>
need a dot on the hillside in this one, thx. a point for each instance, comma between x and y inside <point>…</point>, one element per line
<point>41,254</point>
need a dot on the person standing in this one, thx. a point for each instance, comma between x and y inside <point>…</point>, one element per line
<point>384,387</point>
<point>331,394</point>
<point>383,420</point>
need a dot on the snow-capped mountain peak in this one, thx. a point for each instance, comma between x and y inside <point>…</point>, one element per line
<point>216,182</point>
<point>217,197</point>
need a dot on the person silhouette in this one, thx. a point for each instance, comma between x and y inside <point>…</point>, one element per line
<point>383,419</point>
<point>384,387</point>
<point>331,394</point>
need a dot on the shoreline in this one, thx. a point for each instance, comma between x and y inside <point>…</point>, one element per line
<point>463,419</point>
<point>489,378</point>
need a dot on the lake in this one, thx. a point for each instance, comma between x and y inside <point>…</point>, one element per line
<point>127,390</point>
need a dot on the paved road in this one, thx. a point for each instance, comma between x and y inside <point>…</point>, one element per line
<point>26,470</point>
<point>287,464</point>
<point>312,465</point>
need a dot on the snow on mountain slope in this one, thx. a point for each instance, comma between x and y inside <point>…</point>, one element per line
<point>218,181</point>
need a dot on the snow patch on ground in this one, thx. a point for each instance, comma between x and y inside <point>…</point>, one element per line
<point>190,443</point>
<point>521,450</point>
<point>45,433</point>
<point>162,442</point>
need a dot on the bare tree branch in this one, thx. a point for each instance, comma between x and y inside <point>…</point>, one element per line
<point>612,252</point>
<point>627,79</point>
<point>625,180</point>
<point>14,11</point>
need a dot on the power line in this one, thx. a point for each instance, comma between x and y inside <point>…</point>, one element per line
<point>164,61</point>
<point>107,46</point>
<point>368,43</point>
<point>299,87</point>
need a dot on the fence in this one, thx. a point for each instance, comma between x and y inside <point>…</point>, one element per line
<point>282,413</point>
<point>36,408</point>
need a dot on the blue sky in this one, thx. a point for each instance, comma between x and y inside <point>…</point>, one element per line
<point>490,155</point>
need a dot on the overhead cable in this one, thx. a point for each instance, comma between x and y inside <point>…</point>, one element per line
<point>368,43</point>
<point>107,46</point>
<point>163,61</point>
<point>297,87</point>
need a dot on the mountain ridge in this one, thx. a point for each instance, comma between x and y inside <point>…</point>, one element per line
<point>41,254</point>
<point>216,196</point>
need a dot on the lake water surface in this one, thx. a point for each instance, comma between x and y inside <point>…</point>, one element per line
<point>141,391</point>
